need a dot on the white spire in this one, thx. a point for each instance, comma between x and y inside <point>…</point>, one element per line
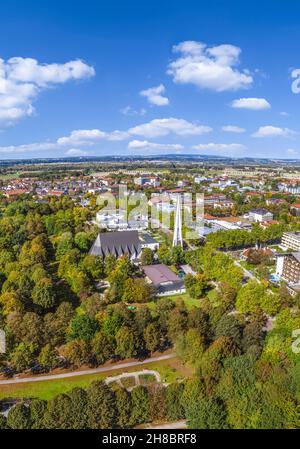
<point>177,237</point>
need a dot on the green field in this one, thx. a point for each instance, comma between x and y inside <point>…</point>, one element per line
<point>170,371</point>
<point>188,301</point>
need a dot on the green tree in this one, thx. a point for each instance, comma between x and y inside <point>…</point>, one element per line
<point>37,413</point>
<point>206,413</point>
<point>102,347</point>
<point>82,327</point>
<point>59,412</point>
<point>152,337</point>
<point>19,417</point>
<point>127,342</point>
<point>140,411</point>
<point>79,410</point>
<point>124,406</point>
<point>102,412</point>
<point>174,393</point>
<point>48,357</point>
<point>147,256</point>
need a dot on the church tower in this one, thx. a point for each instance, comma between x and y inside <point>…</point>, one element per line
<point>177,237</point>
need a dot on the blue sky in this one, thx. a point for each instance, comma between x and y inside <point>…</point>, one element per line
<point>132,77</point>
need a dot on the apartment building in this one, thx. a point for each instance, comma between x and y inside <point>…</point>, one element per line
<point>288,267</point>
<point>291,240</point>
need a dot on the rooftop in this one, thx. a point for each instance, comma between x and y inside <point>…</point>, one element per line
<point>160,274</point>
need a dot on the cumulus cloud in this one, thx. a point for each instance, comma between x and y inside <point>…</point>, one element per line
<point>130,111</point>
<point>255,104</point>
<point>90,137</point>
<point>206,67</point>
<point>23,79</point>
<point>273,131</point>
<point>219,147</point>
<point>163,127</point>
<point>76,152</point>
<point>28,148</point>
<point>233,129</point>
<point>145,145</point>
<point>155,95</point>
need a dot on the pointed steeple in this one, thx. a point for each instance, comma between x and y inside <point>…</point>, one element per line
<point>177,237</point>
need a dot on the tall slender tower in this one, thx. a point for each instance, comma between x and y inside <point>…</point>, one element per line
<point>177,237</point>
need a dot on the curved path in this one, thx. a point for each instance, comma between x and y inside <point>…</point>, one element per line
<point>87,371</point>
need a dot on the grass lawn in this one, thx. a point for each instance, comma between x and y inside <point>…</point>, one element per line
<point>185,297</point>
<point>170,371</point>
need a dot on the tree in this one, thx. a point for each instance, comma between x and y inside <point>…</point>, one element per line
<point>152,337</point>
<point>124,406</point>
<point>174,393</point>
<point>37,413</point>
<point>127,342</point>
<point>77,352</point>
<point>82,327</point>
<point>59,412</point>
<point>190,346</point>
<point>19,417</point>
<point>158,406</point>
<point>176,323</point>
<point>79,410</point>
<point>110,264</point>
<point>229,326</point>
<point>137,290</point>
<point>102,347</point>
<point>102,412</point>
<point>3,422</point>
<point>43,293</point>
<point>147,257</point>
<point>195,285</point>
<point>206,413</point>
<point>140,405</point>
<point>48,357</point>
<point>22,357</point>
<point>82,240</point>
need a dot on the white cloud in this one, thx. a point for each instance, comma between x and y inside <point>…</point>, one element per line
<point>28,148</point>
<point>233,129</point>
<point>130,111</point>
<point>23,79</point>
<point>206,67</point>
<point>82,137</point>
<point>155,96</point>
<point>273,131</point>
<point>76,152</point>
<point>219,147</point>
<point>292,152</point>
<point>163,127</point>
<point>90,137</point>
<point>254,104</point>
<point>145,145</point>
<point>284,114</point>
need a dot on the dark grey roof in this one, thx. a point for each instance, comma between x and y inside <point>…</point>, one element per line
<point>169,288</point>
<point>147,239</point>
<point>260,211</point>
<point>117,243</point>
<point>160,273</point>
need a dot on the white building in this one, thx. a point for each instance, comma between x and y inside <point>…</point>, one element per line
<point>259,215</point>
<point>291,240</point>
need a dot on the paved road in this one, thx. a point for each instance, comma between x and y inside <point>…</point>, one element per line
<point>88,371</point>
